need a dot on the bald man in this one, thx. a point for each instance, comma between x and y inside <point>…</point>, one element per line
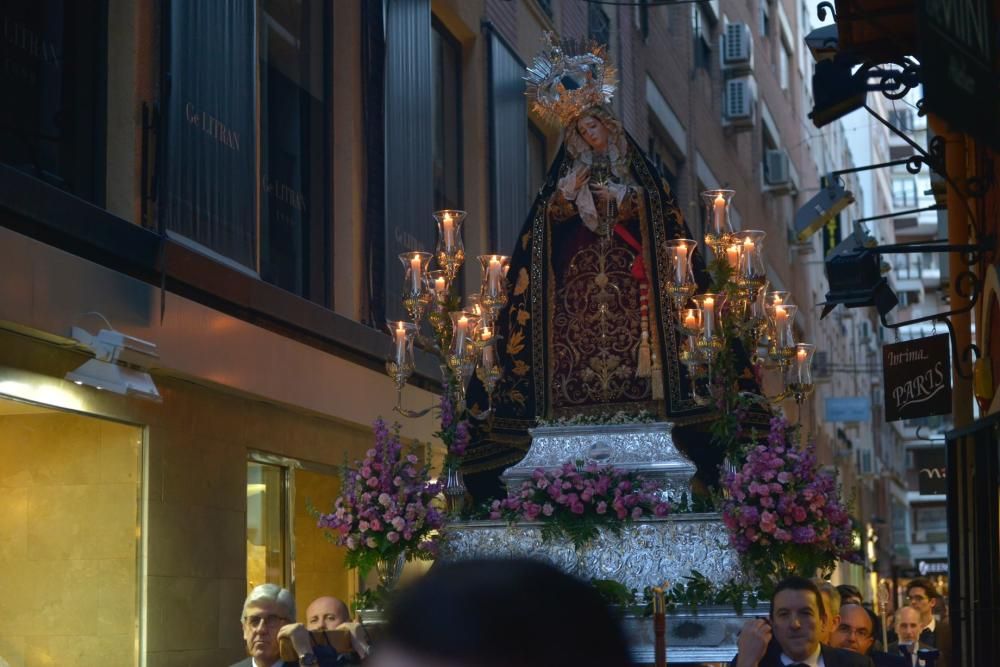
<point>908,628</point>
<point>330,613</point>
<point>326,613</point>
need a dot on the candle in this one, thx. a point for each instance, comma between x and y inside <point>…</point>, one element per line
<point>487,356</point>
<point>460,333</point>
<point>777,299</point>
<point>780,318</point>
<point>439,285</point>
<point>415,273</point>
<point>748,249</point>
<point>708,306</point>
<point>448,227</point>
<point>682,264</point>
<point>800,356</point>
<point>400,344</point>
<point>690,321</point>
<point>733,256</point>
<point>719,218</point>
<point>493,276</point>
<point>485,334</point>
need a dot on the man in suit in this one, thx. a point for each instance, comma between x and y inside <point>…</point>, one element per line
<point>268,616</point>
<point>923,596</point>
<point>831,604</point>
<point>855,632</point>
<point>796,614</point>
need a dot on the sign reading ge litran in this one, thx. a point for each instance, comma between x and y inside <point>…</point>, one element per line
<point>917,378</point>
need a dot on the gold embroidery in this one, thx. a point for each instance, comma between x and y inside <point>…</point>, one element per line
<point>522,282</point>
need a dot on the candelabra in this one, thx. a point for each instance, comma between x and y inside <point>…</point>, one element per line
<point>464,339</point>
<point>740,307</point>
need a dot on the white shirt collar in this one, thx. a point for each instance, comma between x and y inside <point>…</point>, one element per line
<point>280,663</point>
<point>815,660</point>
<point>932,624</point>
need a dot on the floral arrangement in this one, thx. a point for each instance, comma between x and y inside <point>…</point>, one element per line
<point>454,433</point>
<point>575,501</point>
<point>783,514</point>
<point>384,509</point>
<point>617,418</point>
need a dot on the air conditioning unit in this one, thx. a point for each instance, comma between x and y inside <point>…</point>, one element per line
<point>740,102</point>
<point>737,47</point>
<point>776,172</point>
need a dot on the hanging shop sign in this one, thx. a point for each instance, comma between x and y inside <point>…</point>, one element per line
<point>932,566</point>
<point>847,409</point>
<point>917,378</point>
<point>931,471</point>
<point>957,64</point>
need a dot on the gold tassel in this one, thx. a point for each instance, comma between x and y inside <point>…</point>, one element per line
<point>657,373</point>
<point>643,369</point>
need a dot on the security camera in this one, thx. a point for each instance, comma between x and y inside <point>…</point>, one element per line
<point>822,208</point>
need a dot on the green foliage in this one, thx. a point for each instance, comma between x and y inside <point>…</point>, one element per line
<point>697,590</point>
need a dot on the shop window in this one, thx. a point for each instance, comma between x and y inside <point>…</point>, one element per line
<point>69,547</point>
<point>267,525</point>
<point>295,142</point>
<point>54,76</point>
<point>284,546</point>
<point>246,138</point>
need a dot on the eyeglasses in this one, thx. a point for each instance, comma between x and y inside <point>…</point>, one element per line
<point>916,598</point>
<point>269,620</point>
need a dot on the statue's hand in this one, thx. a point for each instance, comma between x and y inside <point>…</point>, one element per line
<point>582,177</point>
<point>601,196</point>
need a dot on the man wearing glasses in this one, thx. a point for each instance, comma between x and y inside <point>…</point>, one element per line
<point>923,596</point>
<point>855,632</point>
<point>268,616</point>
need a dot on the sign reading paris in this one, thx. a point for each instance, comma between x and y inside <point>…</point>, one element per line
<point>917,378</point>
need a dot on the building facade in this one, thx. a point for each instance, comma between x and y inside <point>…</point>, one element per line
<point>233,182</point>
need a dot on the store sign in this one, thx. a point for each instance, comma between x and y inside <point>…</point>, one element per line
<point>847,409</point>
<point>932,476</point>
<point>932,566</point>
<point>917,378</point>
<point>956,64</point>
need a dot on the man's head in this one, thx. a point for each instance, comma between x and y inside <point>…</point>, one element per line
<point>266,609</point>
<point>831,605</point>
<point>796,615</point>
<point>849,594</point>
<point>854,632</point>
<point>922,596</point>
<point>326,613</point>
<point>908,625</point>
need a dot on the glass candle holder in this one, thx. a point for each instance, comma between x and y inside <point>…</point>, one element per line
<point>710,305</point>
<point>450,249</point>
<point>463,328</point>
<point>415,265</point>
<point>493,290</point>
<point>680,258</point>
<point>400,363</point>
<point>750,271</point>
<point>438,285</point>
<point>800,382</point>
<point>691,321</point>
<point>718,228</point>
<point>782,318</point>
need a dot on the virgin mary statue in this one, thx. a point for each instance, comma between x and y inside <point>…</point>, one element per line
<point>586,330</point>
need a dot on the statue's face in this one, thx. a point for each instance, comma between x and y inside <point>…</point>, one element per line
<point>594,132</point>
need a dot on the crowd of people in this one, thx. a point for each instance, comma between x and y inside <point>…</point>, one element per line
<point>494,613</point>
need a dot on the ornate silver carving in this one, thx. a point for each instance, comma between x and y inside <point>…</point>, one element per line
<point>646,553</point>
<point>644,448</point>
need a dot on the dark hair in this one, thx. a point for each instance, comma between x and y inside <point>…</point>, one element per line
<point>488,613</point>
<point>925,584</point>
<point>849,591</point>
<point>799,584</point>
